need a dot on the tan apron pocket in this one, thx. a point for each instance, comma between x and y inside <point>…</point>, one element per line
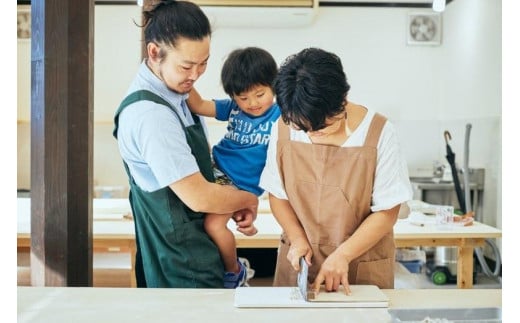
<point>377,272</point>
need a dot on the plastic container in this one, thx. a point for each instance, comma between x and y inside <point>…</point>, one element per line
<point>413,266</point>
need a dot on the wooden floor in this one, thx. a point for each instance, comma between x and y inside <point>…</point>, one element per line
<point>119,278</point>
<point>110,270</point>
<point>102,277</point>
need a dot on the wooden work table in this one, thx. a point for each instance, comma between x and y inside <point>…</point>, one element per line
<point>113,231</point>
<point>78,305</point>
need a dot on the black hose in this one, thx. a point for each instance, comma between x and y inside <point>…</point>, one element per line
<point>478,251</point>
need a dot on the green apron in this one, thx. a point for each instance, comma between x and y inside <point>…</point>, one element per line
<point>172,245</point>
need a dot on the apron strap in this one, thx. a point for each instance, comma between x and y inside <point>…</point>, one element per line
<point>374,131</point>
<point>283,131</point>
<point>140,96</point>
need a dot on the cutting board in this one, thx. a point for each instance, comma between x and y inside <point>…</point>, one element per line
<point>362,296</point>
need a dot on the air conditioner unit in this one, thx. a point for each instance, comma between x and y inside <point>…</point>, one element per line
<point>259,13</point>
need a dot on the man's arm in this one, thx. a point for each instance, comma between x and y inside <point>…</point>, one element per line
<point>200,106</point>
<point>203,196</point>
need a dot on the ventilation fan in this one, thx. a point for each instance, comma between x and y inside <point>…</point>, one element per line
<point>424,29</point>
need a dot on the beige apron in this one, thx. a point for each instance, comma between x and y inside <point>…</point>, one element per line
<point>330,190</point>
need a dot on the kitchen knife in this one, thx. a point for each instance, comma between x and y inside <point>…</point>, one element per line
<point>303,283</point>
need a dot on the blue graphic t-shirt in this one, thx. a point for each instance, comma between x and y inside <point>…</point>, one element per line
<point>241,154</point>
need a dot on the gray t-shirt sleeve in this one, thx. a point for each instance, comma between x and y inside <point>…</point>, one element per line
<point>153,144</point>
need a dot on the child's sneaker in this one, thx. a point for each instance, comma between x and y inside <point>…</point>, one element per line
<point>250,271</point>
<point>232,280</point>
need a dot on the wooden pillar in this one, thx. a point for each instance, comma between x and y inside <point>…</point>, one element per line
<point>61,142</point>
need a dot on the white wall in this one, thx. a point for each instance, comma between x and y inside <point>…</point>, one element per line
<point>424,90</point>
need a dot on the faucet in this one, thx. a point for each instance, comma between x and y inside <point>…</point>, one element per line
<point>438,169</point>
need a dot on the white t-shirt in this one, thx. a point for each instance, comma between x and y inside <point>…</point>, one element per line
<point>391,184</point>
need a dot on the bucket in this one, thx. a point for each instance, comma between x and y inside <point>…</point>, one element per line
<point>446,257</point>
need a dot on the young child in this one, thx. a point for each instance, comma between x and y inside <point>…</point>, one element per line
<point>247,76</point>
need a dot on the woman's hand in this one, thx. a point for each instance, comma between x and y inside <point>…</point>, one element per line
<point>333,273</point>
<point>300,247</point>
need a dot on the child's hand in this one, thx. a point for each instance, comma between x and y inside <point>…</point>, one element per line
<point>249,231</point>
<point>244,220</point>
